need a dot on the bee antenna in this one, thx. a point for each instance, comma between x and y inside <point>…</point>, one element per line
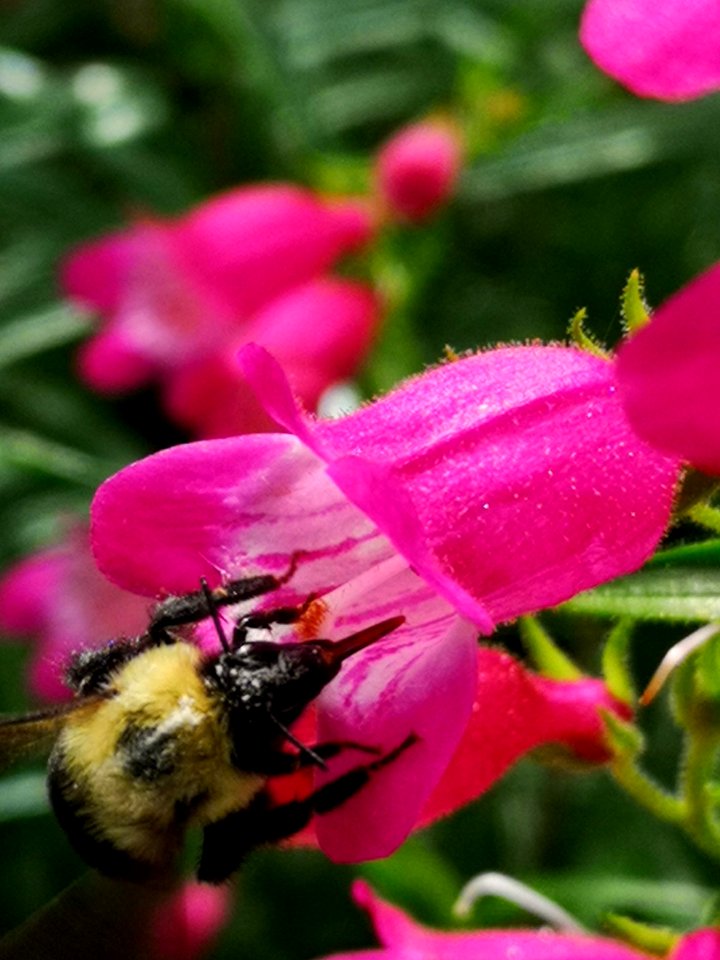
<point>214,615</point>
<point>314,758</point>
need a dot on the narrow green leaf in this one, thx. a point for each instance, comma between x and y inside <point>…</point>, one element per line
<point>29,451</point>
<point>672,594</point>
<point>594,145</point>
<point>27,336</point>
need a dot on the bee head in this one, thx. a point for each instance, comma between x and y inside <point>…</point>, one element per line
<point>261,678</point>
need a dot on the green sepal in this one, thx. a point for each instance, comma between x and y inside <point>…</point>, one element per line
<point>616,663</point>
<point>708,670</point>
<point>581,338</point>
<point>695,697</point>
<point>633,306</point>
<point>624,739</point>
<point>547,657</point>
<point>657,940</point>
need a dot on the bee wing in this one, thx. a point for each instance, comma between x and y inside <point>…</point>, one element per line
<point>36,732</point>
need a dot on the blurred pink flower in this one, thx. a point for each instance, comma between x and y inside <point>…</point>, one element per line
<point>483,489</point>
<point>656,48</point>
<point>59,598</point>
<point>173,294</point>
<point>417,168</point>
<point>187,926</point>
<point>401,937</point>
<point>318,331</point>
<point>668,374</point>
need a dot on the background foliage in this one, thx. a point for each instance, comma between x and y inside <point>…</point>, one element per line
<point>108,108</point>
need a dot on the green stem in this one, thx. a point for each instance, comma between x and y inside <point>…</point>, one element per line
<point>699,771</point>
<point>648,794</point>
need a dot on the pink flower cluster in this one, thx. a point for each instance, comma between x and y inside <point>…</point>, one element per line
<point>401,937</point>
<point>178,297</point>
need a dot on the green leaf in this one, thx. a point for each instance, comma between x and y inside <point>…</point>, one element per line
<point>49,328</point>
<point>34,453</point>
<point>594,145</point>
<point>673,594</point>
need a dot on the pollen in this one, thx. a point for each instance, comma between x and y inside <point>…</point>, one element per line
<point>311,620</point>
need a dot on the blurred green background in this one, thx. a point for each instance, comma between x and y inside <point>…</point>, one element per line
<point>108,108</point>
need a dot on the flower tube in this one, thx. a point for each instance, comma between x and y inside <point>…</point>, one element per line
<point>478,491</point>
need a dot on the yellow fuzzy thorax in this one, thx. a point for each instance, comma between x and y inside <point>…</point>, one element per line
<point>161,692</point>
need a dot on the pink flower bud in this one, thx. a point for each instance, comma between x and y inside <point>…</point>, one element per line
<point>417,169</point>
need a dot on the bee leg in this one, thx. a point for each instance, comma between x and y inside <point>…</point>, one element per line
<point>227,842</point>
<point>263,620</point>
<point>193,607</point>
<point>279,764</point>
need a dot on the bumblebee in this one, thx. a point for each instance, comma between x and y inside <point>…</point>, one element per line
<point>161,737</point>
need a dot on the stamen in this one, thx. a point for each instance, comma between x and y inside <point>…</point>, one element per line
<point>500,885</point>
<point>676,655</point>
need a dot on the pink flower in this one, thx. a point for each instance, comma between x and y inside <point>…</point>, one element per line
<point>186,927</point>
<point>177,292</point>
<point>401,937</point>
<point>58,597</point>
<point>481,490</point>
<point>656,48</point>
<point>417,169</point>
<point>668,374</point>
<point>318,331</point>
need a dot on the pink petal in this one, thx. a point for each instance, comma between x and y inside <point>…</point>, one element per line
<point>664,49</point>
<point>253,243</point>
<point>668,374</point>
<point>108,364</point>
<point>174,290</point>
<point>186,927</point>
<point>211,398</point>
<point>95,273</point>
<point>59,598</point>
<point>402,937</point>
<point>26,589</point>
<point>417,169</point>
<point>515,711</point>
<point>418,681</point>
<point>699,945</point>
<point>510,480</point>
<point>230,508</point>
<point>320,332</point>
